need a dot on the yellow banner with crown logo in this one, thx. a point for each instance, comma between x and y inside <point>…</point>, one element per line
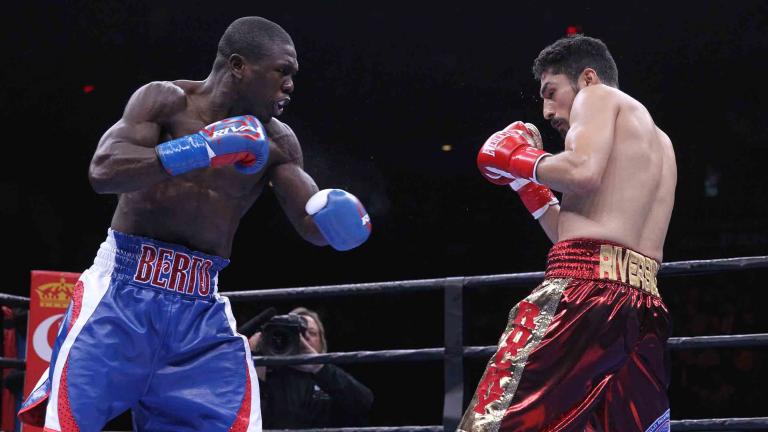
<point>55,294</point>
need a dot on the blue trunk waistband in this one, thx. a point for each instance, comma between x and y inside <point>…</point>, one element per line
<point>154,264</point>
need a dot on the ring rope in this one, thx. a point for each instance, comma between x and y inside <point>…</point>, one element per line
<point>723,424</point>
<point>720,341</point>
<point>367,429</point>
<point>677,268</point>
<point>13,300</point>
<point>749,423</point>
<point>12,363</point>
<point>434,354</point>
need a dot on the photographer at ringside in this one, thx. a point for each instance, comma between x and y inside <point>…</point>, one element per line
<point>311,395</point>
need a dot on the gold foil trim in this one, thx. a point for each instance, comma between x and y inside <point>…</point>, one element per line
<point>630,267</point>
<point>528,321</point>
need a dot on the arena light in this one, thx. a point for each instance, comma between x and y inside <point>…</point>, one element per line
<point>446,147</point>
<point>573,30</point>
<point>88,88</point>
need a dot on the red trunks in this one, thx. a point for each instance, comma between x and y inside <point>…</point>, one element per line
<point>586,350</point>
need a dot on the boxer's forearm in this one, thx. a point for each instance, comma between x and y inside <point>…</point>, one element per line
<point>568,172</point>
<point>293,187</point>
<point>309,232</point>
<point>123,167</point>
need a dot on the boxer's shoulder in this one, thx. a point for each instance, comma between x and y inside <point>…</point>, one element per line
<point>603,94</point>
<point>604,100</point>
<point>279,131</point>
<point>663,137</point>
<point>284,140</point>
<point>158,100</point>
<point>666,144</point>
<point>599,95</point>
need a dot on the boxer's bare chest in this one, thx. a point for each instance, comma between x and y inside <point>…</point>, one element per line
<point>200,209</point>
<point>225,182</point>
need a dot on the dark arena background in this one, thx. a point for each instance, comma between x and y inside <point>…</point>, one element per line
<point>392,102</point>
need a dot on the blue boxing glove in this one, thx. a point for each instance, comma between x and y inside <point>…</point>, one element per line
<point>239,141</point>
<point>340,217</point>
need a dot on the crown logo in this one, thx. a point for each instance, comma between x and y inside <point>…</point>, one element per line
<point>55,294</point>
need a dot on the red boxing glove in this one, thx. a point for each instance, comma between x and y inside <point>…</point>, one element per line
<point>510,154</point>
<point>536,198</point>
<point>530,131</point>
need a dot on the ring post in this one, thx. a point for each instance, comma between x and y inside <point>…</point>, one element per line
<point>454,352</point>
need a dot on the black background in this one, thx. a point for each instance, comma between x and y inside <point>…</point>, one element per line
<point>382,87</point>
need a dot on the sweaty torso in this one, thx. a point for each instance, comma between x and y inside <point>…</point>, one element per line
<point>633,203</point>
<point>200,209</point>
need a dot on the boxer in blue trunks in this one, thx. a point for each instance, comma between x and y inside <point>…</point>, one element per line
<point>146,329</point>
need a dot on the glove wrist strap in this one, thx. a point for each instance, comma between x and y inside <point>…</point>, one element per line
<point>184,154</point>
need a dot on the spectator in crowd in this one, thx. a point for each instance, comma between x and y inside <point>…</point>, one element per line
<point>310,395</point>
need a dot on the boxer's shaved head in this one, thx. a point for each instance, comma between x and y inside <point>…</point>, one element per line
<point>251,37</point>
<point>571,55</point>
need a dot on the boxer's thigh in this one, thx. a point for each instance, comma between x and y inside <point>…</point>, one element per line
<point>507,369</point>
<point>103,356</point>
<point>637,398</point>
<point>207,380</point>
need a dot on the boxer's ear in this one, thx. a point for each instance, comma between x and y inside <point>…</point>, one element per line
<point>237,65</point>
<point>589,77</point>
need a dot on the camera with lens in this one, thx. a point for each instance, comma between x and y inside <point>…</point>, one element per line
<point>280,335</point>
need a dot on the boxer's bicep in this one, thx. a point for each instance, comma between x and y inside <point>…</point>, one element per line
<point>593,123</point>
<point>291,184</point>
<point>125,157</point>
<point>126,138</point>
<point>140,123</point>
<point>588,145</point>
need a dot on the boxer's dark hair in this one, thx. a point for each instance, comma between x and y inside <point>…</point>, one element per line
<point>571,55</point>
<point>251,37</point>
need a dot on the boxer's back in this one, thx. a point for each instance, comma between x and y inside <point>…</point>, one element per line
<point>633,203</point>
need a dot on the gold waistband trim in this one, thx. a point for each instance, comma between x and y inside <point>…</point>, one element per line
<point>627,266</point>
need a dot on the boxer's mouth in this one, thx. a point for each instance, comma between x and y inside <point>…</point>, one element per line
<point>281,104</point>
<point>560,126</point>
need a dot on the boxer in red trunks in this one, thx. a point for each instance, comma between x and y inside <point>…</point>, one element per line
<point>586,350</point>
